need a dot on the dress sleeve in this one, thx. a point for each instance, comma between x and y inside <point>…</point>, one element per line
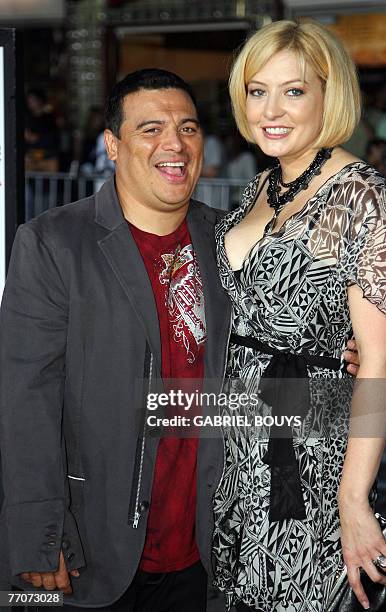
<point>364,250</point>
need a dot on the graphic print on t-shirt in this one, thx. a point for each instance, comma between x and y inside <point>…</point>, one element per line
<point>185,298</point>
<point>174,274</point>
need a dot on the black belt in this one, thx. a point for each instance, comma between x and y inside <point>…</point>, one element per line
<point>286,497</point>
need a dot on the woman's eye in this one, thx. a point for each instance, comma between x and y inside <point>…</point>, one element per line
<point>295,92</point>
<point>256,93</point>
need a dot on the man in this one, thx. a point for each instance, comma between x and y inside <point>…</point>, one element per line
<point>104,298</point>
<point>96,300</point>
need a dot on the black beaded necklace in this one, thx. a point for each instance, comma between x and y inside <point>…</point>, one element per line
<point>276,200</point>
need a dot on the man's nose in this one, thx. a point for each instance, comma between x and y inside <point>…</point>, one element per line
<point>173,140</point>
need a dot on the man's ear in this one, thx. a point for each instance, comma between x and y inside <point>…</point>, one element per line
<point>111,144</point>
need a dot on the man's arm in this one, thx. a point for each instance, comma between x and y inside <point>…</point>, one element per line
<point>33,331</point>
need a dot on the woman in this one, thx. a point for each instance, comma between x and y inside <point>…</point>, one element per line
<point>297,259</point>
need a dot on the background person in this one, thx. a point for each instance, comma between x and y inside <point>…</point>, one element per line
<point>40,134</point>
<point>214,151</point>
<point>94,126</point>
<point>241,161</point>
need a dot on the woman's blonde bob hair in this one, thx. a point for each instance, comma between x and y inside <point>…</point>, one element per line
<point>313,44</point>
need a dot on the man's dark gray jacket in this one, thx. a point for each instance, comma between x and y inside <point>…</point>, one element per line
<point>78,322</point>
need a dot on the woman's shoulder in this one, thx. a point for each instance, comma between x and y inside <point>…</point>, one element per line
<point>354,183</point>
<point>350,168</point>
<point>361,190</point>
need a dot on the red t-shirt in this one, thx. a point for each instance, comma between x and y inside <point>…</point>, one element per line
<point>174,274</point>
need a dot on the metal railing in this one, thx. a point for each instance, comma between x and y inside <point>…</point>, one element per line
<point>45,190</point>
<point>220,193</point>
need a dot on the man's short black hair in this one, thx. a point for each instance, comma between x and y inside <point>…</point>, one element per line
<point>148,78</point>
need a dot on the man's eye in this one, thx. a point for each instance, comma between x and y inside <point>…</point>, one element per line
<point>294,92</point>
<point>256,93</point>
<point>152,130</point>
<point>189,129</point>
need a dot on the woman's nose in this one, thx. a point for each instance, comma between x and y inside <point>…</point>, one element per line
<point>273,107</point>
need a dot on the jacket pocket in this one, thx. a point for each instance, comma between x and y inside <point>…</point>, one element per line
<point>76,485</point>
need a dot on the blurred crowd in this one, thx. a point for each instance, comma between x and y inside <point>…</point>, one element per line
<point>50,144</point>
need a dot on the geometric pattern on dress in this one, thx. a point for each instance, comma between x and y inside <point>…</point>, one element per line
<point>292,294</point>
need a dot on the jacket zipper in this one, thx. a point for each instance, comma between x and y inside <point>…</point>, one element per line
<point>134,514</point>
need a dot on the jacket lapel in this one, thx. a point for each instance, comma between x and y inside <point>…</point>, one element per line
<point>201,222</point>
<point>122,254</point>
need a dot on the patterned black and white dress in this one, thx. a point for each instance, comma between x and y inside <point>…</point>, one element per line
<point>291,293</point>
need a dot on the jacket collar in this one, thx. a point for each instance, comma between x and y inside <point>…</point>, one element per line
<point>108,211</point>
<point>109,214</point>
